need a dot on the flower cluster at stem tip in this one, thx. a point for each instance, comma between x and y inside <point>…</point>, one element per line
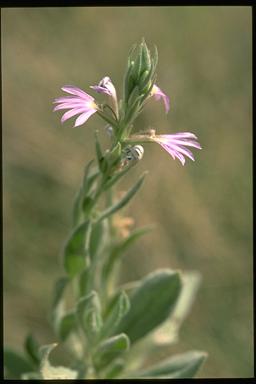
<point>139,87</point>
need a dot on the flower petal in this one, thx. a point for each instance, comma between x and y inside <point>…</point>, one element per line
<point>69,106</point>
<point>77,91</point>
<point>99,89</point>
<point>181,135</point>
<point>69,99</point>
<point>159,94</point>
<point>71,113</point>
<point>105,86</point>
<point>175,144</point>
<point>80,103</point>
<point>188,143</point>
<point>84,117</point>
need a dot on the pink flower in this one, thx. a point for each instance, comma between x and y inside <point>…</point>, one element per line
<point>159,94</point>
<point>80,103</point>
<point>105,86</point>
<point>176,144</point>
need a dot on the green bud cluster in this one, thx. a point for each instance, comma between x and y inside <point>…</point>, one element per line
<point>139,79</point>
<point>140,70</point>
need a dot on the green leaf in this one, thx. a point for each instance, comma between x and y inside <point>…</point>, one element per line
<point>110,349</point>
<point>113,179</point>
<point>58,305</point>
<point>66,324</point>
<point>50,372</point>
<point>146,58</point>
<point>119,249</point>
<point>15,364</point>
<point>103,165</point>
<point>89,314</point>
<point>118,307</point>
<point>87,205</point>
<point>134,109</point>
<point>114,369</point>
<point>134,96</point>
<point>32,346</point>
<point>59,290</point>
<point>97,238</point>
<point>124,200</point>
<point>168,332</point>
<point>74,258</point>
<point>151,303</point>
<point>138,63</point>
<point>155,57</point>
<point>180,366</point>
<point>134,235</point>
<point>98,147</point>
<point>128,80</point>
<point>89,177</point>
<point>85,281</point>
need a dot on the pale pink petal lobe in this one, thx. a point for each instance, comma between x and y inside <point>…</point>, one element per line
<point>79,103</point>
<point>176,144</point>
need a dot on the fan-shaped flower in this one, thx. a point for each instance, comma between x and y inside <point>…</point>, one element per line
<point>175,144</point>
<point>159,94</point>
<point>105,86</point>
<point>80,103</point>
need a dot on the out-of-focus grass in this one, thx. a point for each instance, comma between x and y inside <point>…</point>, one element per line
<point>203,211</point>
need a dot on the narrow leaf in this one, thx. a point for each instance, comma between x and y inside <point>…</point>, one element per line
<point>135,235</point>
<point>110,349</point>
<point>103,164</point>
<point>124,200</point>
<point>85,281</point>
<point>97,238</point>
<point>31,346</point>
<point>58,306</point>
<point>114,369</point>
<point>87,205</point>
<point>89,177</point>
<point>113,179</point>
<point>180,366</point>
<point>66,324</point>
<point>120,248</point>
<point>59,290</point>
<point>89,314</point>
<point>15,364</point>
<point>74,258</point>
<point>50,372</point>
<point>119,306</point>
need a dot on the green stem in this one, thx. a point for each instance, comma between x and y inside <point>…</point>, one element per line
<point>139,139</point>
<point>108,119</point>
<point>109,202</point>
<point>114,113</point>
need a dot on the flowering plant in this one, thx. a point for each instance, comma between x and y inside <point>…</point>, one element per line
<point>109,329</point>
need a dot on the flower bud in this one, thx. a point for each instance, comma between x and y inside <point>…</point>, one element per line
<point>141,71</point>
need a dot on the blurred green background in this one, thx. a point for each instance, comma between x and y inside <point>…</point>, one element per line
<point>202,212</point>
